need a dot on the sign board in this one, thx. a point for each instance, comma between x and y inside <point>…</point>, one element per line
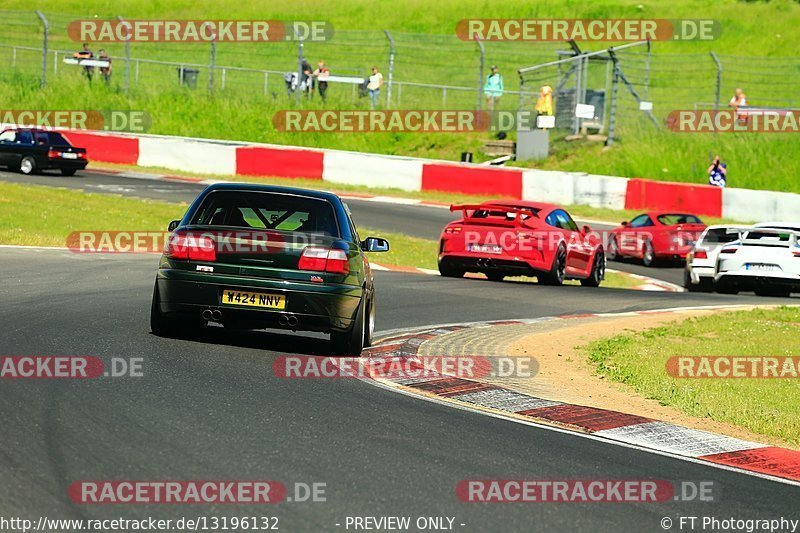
<point>584,111</point>
<point>545,121</point>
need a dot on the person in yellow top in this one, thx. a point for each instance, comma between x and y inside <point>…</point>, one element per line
<point>544,104</point>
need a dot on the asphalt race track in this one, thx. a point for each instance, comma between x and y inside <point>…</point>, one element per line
<point>209,407</point>
<point>417,221</point>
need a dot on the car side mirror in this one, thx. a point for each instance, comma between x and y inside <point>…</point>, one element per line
<point>375,244</point>
<point>586,229</point>
<point>624,222</point>
<point>172,225</point>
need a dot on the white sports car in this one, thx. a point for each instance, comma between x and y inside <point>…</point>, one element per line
<point>765,259</point>
<point>701,262</point>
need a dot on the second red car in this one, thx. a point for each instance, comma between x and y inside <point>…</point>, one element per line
<point>655,235</point>
<point>502,239</point>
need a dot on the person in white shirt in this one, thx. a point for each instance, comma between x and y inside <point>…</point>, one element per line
<point>374,87</point>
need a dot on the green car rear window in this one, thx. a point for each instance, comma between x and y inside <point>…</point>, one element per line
<point>270,211</point>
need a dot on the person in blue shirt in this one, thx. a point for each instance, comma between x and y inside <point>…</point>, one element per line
<point>493,88</point>
<point>717,173</point>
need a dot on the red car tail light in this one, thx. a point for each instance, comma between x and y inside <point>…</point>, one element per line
<point>324,260</point>
<point>53,154</point>
<point>700,254</point>
<point>796,254</point>
<point>191,247</point>
<point>451,230</point>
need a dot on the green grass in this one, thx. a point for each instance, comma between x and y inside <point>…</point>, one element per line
<point>764,406</point>
<point>682,74</point>
<point>45,216</point>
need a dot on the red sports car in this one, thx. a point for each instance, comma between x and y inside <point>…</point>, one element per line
<point>655,235</point>
<point>521,239</point>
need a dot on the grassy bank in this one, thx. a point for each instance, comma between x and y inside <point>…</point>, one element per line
<point>764,406</point>
<point>682,75</point>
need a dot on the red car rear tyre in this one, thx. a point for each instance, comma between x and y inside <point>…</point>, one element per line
<point>558,272</point>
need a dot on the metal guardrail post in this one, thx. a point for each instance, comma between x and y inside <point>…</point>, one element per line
<point>719,80</point>
<point>44,46</point>
<point>480,73</point>
<point>127,55</point>
<point>391,68</point>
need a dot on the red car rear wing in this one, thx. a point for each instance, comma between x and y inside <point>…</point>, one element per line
<point>474,207</point>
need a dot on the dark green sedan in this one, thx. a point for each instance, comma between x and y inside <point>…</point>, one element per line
<point>255,256</point>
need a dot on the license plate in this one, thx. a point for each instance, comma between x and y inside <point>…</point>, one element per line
<point>253,299</point>
<point>760,266</point>
<point>485,248</point>
<point>68,155</point>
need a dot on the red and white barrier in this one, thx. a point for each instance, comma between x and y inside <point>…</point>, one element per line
<point>413,174</point>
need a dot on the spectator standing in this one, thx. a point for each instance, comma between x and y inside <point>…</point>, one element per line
<point>86,53</point>
<point>321,74</point>
<point>105,72</point>
<point>717,173</point>
<point>374,87</point>
<point>306,80</point>
<point>544,104</point>
<point>737,100</point>
<point>493,88</point>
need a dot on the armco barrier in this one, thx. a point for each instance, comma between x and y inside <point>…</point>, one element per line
<point>412,174</point>
<point>574,188</point>
<point>107,148</point>
<point>188,154</point>
<point>286,163</point>
<point>753,206</point>
<point>698,199</point>
<point>373,170</point>
<point>471,179</point>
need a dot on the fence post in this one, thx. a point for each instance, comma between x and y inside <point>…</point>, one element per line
<point>212,64</point>
<point>391,68</point>
<point>576,124</point>
<point>647,70</point>
<point>44,46</point>
<point>613,112</point>
<point>719,79</point>
<point>480,74</point>
<point>127,54</point>
<point>299,67</point>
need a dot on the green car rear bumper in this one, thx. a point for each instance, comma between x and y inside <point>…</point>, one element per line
<point>320,307</point>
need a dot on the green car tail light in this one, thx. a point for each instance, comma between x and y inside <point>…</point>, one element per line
<point>319,259</point>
